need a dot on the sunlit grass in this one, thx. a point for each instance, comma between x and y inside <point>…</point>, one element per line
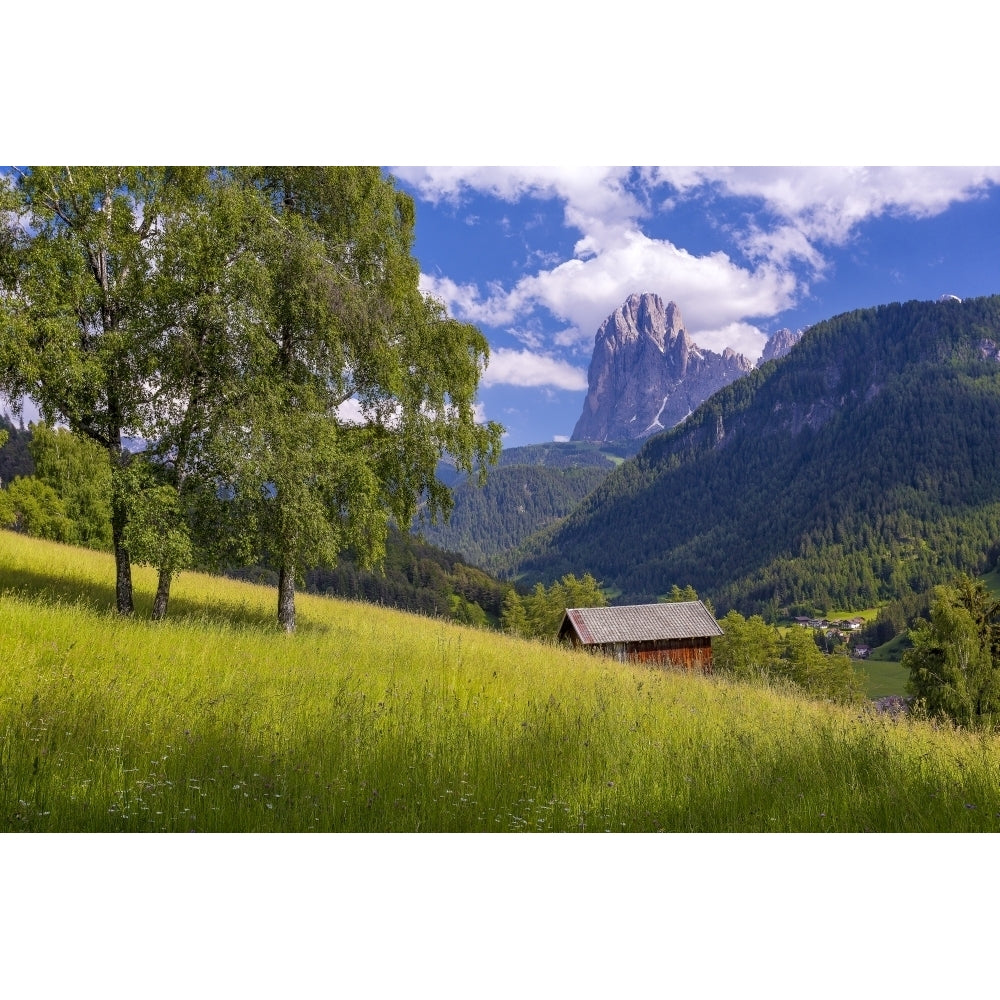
<point>885,677</point>
<point>373,720</point>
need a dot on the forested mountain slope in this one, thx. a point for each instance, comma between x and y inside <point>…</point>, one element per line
<point>862,465</point>
<point>533,486</point>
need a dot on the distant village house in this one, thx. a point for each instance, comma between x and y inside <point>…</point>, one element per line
<point>675,634</point>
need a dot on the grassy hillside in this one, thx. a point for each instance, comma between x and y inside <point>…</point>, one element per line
<point>374,720</point>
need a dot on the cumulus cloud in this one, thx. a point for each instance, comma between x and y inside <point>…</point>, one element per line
<point>822,204</point>
<point>826,204</point>
<point>525,368</point>
<point>712,290</point>
<point>612,258</point>
<point>352,412</point>
<point>468,303</point>
<point>801,211</point>
<point>596,199</point>
<point>744,338</point>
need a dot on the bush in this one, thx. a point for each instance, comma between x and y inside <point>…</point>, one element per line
<point>34,508</point>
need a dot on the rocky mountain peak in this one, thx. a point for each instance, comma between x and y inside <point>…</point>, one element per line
<point>647,373</point>
<point>779,344</point>
<point>642,315</point>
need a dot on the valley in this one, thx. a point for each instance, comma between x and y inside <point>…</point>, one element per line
<point>852,469</point>
<point>252,388</point>
<point>858,468</point>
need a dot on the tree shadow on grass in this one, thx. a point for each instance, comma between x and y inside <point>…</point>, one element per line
<point>100,598</point>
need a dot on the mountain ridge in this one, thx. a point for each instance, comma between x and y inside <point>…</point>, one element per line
<point>865,456</point>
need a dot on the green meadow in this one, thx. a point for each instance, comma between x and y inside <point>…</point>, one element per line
<point>370,720</point>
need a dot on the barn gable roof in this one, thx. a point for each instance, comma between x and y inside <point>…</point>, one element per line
<point>640,623</point>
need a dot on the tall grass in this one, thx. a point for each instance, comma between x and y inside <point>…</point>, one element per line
<point>374,720</point>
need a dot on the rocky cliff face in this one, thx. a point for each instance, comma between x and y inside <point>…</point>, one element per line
<point>647,374</point>
<point>779,344</point>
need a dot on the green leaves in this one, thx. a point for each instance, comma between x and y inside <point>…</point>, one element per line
<point>35,508</point>
<point>77,470</point>
<point>539,614</point>
<point>228,316</point>
<point>156,532</point>
<point>342,322</point>
<point>751,650</point>
<point>954,661</point>
<point>748,649</point>
<point>81,254</point>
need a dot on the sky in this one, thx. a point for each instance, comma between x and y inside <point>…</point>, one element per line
<point>538,257</point>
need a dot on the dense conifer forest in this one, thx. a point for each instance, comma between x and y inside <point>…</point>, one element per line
<point>858,469</point>
<point>532,487</point>
<point>15,458</point>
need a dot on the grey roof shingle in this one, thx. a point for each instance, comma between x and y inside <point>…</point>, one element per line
<point>641,622</point>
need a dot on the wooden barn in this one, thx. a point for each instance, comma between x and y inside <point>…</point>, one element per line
<point>675,634</point>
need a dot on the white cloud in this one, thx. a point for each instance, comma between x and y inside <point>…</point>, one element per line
<point>467,303</point>
<point>612,259</point>
<point>530,334</point>
<point>803,210</point>
<point>596,198</point>
<point>350,412</point>
<point>826,204</point>
<point>744,338</point>
<point>525,368</point>
<point>712,291</point>
<point>560,438</point>
<point>822,203</point>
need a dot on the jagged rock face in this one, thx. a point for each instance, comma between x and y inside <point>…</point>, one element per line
<point>779,344</point>
<point>647,374</point>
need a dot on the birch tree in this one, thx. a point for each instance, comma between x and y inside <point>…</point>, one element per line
<point>358,384</point>
<point>79,249</point>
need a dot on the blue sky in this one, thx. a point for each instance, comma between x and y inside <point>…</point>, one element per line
<point>537,257</point>
<point>439,82</point>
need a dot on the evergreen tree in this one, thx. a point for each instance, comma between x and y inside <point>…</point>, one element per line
<point>540,613</point>
<point>514,618</point>
<point>954,662</point>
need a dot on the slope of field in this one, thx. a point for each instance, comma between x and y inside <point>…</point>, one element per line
<point>374,720</point>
